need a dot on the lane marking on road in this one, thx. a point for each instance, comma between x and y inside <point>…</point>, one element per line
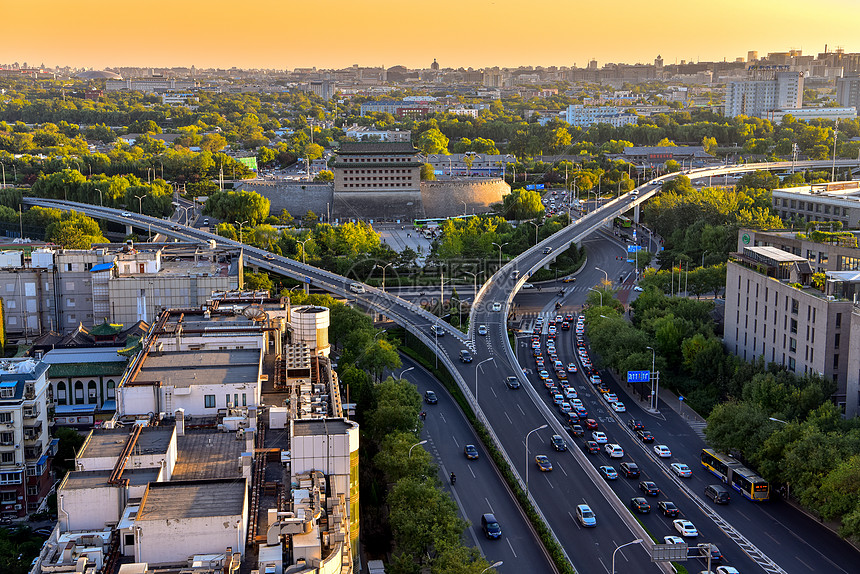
<point>455,441</point>
<point>489,505</point>
<point>562,469</point>
<point>548,481</point>
<point>494,392</point>
<point>472,471</point>
<point>804,563</point>
<point>604,565</point>
<point>442,416</point>
<point>509,419</point>
<point>511,546</point>
<point>521,410</point>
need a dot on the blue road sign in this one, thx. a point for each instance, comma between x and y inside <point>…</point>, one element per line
<point>307,280</point>
<point>634,248</point>
<point>638,376</point>
<point>680,397</point>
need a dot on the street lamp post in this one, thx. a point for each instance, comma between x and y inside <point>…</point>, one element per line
<point>606,274</point>
<point>599,293</point>
<point>436,334</point>
<point>383,273</point>
<point>475,284</point>
<point>476,378</point>
<point>414,445</point>
<point>307,288</point>
<point>536,229</point>
<point>655,383</point>
<point>140,203</point>
<point>500,252</point>
<point>404,371</point>
<point>637,541</point>
<point>494,565</point>
<point>528,434</point>
<point>240,229</point>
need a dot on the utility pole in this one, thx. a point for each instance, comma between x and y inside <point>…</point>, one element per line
<point>835,137</point>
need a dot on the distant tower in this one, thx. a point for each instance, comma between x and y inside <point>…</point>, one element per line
<point>658,62</point>
<point>752,56</point>
<point>592,64</point>
<point>193,71</point>
<point>435,65</point>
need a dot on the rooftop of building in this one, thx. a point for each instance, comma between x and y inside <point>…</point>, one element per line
<point>205,367</point>
<point>88,355</point>
<point>207,454</point>
<point>840,191</point>
<point>110,443</point>
<point>376,148</point>
<point>327,426</point>
<point>85,479</point>
<point>193,499</point>
<point>774,254</point>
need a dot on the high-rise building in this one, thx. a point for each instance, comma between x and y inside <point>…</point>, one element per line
<point>752,56</point>
<point>768,88</point>
<point>848,91</point>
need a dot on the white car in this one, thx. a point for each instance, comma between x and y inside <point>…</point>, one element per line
<point>577,403</point>
<point>662,451</point>
<point>681,469</point>
<point>528,286</point>
<point>673,540</point>
<point>497,306</point>
<point>619,407</point>
<point>637,288</point>
<point>614,450</point>
<point>126,214</point>
<point>610,397</point>
<point>599,437</point>
<point>685,528</point>
<point>482,329</point>
<point>727,570</point>
<point>570,393</point>
<point>571,367</point>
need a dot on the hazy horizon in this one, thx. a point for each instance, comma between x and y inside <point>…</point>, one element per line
<point>372,33</point>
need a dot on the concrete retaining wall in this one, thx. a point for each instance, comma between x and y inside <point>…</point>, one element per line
<point>296,197</point>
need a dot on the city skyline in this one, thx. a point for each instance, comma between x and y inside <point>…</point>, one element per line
<point>480,34</point>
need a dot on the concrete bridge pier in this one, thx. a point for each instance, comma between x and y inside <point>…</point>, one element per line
<point>128,229</point>
<point>637,212</point>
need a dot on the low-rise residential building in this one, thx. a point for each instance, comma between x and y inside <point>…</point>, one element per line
<point>582,116</point>
<point>806,114</point>
<point>651,156</point>
<point>367,133</point>
<point>829,202</point>
<point>775,311</point>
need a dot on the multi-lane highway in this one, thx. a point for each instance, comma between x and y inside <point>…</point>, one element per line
<point>574,478</point>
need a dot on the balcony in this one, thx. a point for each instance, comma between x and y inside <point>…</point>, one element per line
<point>32,412</point>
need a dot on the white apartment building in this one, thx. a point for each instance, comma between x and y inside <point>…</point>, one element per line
<point>806,114</point>
<point>25,442</point>
<point>582,116</point>
<point>765,90</point>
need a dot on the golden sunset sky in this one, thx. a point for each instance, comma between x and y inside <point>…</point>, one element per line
<point>469,33</point>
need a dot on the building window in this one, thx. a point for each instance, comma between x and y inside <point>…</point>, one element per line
<point>7,457</point>
<point>92,393</point>
<point>111,389</point>
<point>8,497</point>
<point>209,401</point>
<point>10,477</point>
<point>795,306</point>
<point>836,361</point>
<point>791,364</point>
<point>792,345</point>
<point>6,417</point>
<point>794,326</point>
<point>61,393</point>
<point>838,320</point>
<point>79,393</point>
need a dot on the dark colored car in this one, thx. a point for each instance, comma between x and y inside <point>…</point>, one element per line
<point>640,505</point>
<point>635,424</point>
<point>649,488</point>
<point>716,555</point>
<point>576,430</point>
<point>645,435</point>
<point>465,356</point>
<point>490,526</point>
<point>592,447</point>
<point>471,452</point>
<point>430,398</point>
<point>630,469</point>
<point>591,424</point>
<point>668,508</point>
<point>558,442</point>
<point>512,382</point>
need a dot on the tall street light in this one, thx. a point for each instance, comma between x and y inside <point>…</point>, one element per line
<point>500,252</point>
<point>637,541</point>
<point>240,224</point>
<point>528,434</point>
<point>599,293</point>
<point>475,284</point>
<point>495,565</point>
<point>604,273</point>
<point>383,273</point>
<point>536,229</point>
<point>476,378</point>
<point>655,384</point>
<point>140,203</point>
<point>404,371</point>
<point>307,288</point>
<point>414,445</point>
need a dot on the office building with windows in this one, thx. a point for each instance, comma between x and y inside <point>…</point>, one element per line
<point>767,88</point>
<point>828,202</point>
<point>776,311</point>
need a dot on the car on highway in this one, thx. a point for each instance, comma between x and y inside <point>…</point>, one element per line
<point>558,442</point>
<point>551,330</point>
<point>640,505</point>
<point>663,451</point>
<point>649,488</point>
<point>126,214</point>
<point>591,447</point>
<point>465,356</point>
<point>512,382</point>
<point>482,329</point>
<point>565,326</point>
<point>497,306</point>
<point>673,540</point>
<point>590,424</point>
<point>635,424</point>
<point>599,437</point>
<point>727,570</point>
<point>570,393</point>
<point>668,508</point>
<point>571,367</point>
<point>630,469</point>
<point>595,379</point>
<point>470,452</point>
<point>543,463</point>
<point>607,472</point>
<point>564,407</point>
<point>569,279</point>
<point>269,257</point>
<point>637,288</point>
<point>685,527</point>
<point>619,407</point>
<point>437,330</point>
<point>543,374</point>
<point>576,429</point>
<point>577,403</point>
<point>645,435</point>
<point>561,374</point>
<point>586,516</point>
<point>581,412</point>
<point>490,526</point>
<point>681,469</point>
<point>547,250</point>
<point>613,450</point>
<point>705,549</point>
<point>558,399</point>
<point>430,398</point>
<point>528,286</point>
<point>610,397</point>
